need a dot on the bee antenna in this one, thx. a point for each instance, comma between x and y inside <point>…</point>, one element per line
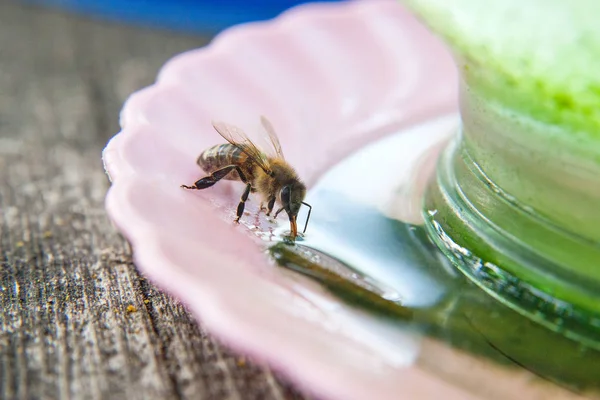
<point>308,216</point>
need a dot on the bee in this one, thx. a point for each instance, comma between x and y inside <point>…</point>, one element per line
<point>266,173</point>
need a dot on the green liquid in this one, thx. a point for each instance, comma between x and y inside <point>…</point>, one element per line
<point>466,318</point>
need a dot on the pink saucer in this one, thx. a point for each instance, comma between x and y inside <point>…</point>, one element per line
<point>331,78</point>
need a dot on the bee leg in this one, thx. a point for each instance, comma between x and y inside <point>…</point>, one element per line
<point>215,177</point>
<point>240,208</point>
<point>270,205</point>
<point>277,212</point>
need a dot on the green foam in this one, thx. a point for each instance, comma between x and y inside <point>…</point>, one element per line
<point>540,57</point>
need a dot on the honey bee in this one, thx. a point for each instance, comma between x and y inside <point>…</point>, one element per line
<point>266,173</point>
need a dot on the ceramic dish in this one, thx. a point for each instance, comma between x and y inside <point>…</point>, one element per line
<point>332,78</point>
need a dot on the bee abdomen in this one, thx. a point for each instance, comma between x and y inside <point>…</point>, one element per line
<point>219,156</point>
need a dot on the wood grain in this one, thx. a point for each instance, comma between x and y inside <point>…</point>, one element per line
<point>76,318</point>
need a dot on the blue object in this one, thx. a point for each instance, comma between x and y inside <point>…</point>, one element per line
<point>195,16</point>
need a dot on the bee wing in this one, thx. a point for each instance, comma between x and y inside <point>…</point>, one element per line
<point>272,136</point>
<point>238,138</point>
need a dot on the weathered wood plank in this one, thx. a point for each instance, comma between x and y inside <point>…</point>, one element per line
<point>76,318</point>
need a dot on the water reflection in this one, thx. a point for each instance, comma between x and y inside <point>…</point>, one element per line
<point>389,266</point>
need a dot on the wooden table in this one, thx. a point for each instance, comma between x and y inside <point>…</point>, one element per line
<point>76,318</point>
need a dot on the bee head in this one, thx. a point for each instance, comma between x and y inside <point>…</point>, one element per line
<point>292,196</point>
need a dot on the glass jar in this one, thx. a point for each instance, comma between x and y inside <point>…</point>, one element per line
<point>515,203</point>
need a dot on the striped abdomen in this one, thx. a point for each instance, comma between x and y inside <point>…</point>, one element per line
<point>222,155</point>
